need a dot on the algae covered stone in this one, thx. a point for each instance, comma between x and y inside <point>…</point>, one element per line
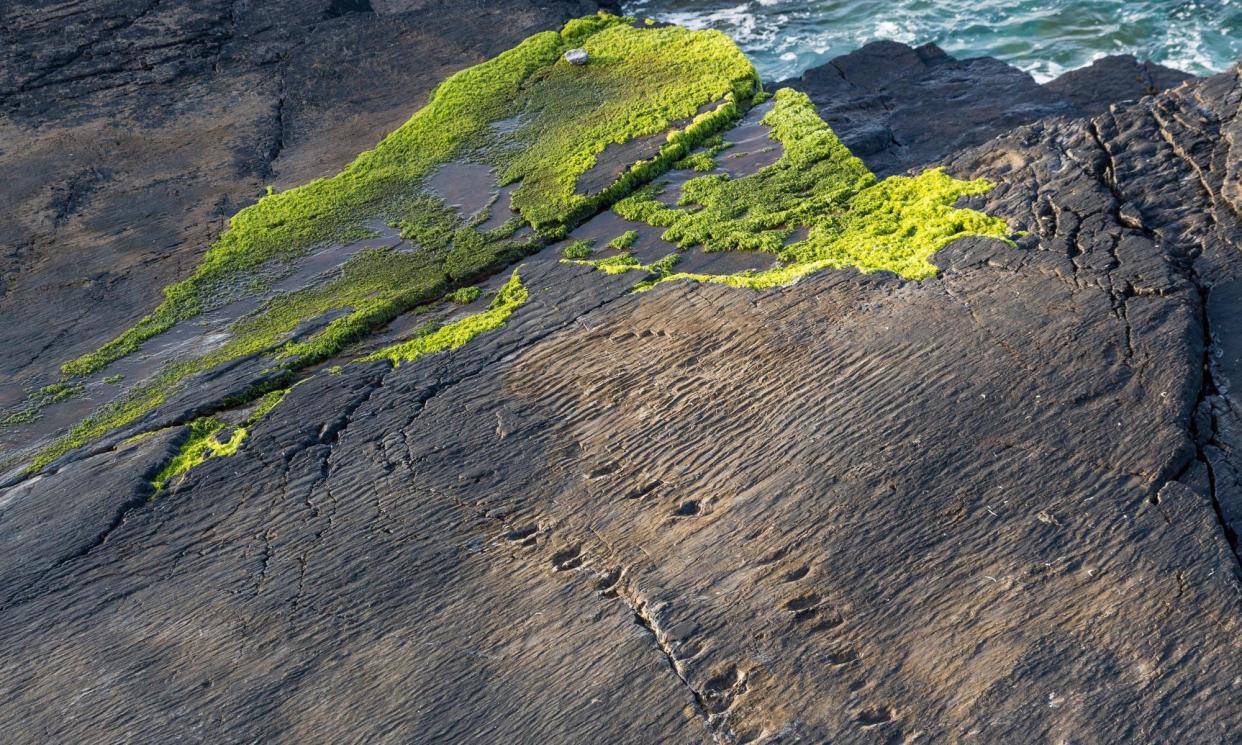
<point>644,82</point>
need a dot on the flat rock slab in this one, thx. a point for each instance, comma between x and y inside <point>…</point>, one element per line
<point>990,506</point>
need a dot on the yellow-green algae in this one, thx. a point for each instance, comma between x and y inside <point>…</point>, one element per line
<point>657,271</point>
<point>527,113</point>
<point>705,159</point>
<point>454,335</point>
<point>624,241</point>
<point>638,83</point>
<point>851,218</point>
<point>541,122</point>
<point>578,250</point>
<point>203,440</point>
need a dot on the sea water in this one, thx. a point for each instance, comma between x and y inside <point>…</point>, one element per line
<point>1045,38</point>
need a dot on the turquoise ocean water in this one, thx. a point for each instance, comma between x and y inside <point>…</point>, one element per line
<point>785,37</point>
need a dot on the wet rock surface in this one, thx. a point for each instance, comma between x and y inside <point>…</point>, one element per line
<point>997,505</point>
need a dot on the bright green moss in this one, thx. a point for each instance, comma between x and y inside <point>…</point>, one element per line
<point>201,443</point>
<point>705,159</point>
<point>625,262</point>
<point>427,221</point>
<point>140,437</point>
<point>817,185</point>
<point>624,241</point>
<point>203,440</point>
<point>816,175</point>
<point>458,114</point>
<point>637,83</point>
<point>577,250</point>
<point>105,419</point>
<point>619,264</point>
<point>699,161</point>
<point>540,122</point>
<point>533,117</point>
<point>465,295</point>
<point>264,405</point>
<point>452,336</point>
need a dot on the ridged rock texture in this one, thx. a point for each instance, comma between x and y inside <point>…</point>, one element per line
<point>997,505</point>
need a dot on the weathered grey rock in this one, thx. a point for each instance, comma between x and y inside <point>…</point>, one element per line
<point>993,506</point>
<point>577,56</point>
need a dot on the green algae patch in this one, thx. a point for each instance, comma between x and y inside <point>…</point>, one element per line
<point>705,159</point>
<point>201,443</point>
<point>657,271</point>
<point>454,335</point>
<point>638,82</point>
<point>619,264</point>
<point>851,219</point>
<point>624,241</point>
<point>578,250</point>
<point>45,396</point>
<point>465,295</point>
<point>204,440</point>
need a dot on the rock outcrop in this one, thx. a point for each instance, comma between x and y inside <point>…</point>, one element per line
<point>901,108</point>
<point>1000,504</point>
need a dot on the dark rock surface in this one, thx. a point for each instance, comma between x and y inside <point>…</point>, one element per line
<point>899,108</point>
<point>999,505</point>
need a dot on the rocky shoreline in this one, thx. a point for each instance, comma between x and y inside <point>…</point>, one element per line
<point>1001,504</point>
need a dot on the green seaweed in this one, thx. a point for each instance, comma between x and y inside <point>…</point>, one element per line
<point>578,250</point>
<point>200,444</point>
<point>203,440</point>
<point>705,159</point>
<point>465,295</point>
<point>540,123</point>
<point>624,262</point>
<point>851,219</point>
<point>624,241</point>
<point>454,335</point>
<point>640,82</point>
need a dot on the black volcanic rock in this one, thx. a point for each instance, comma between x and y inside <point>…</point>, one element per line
<point>1114,78</point>
<point>901,108</point>
<point>998,505</point>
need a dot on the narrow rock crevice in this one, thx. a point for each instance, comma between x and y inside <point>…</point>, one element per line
<point>1203,426</point>
<point>637,605</point>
